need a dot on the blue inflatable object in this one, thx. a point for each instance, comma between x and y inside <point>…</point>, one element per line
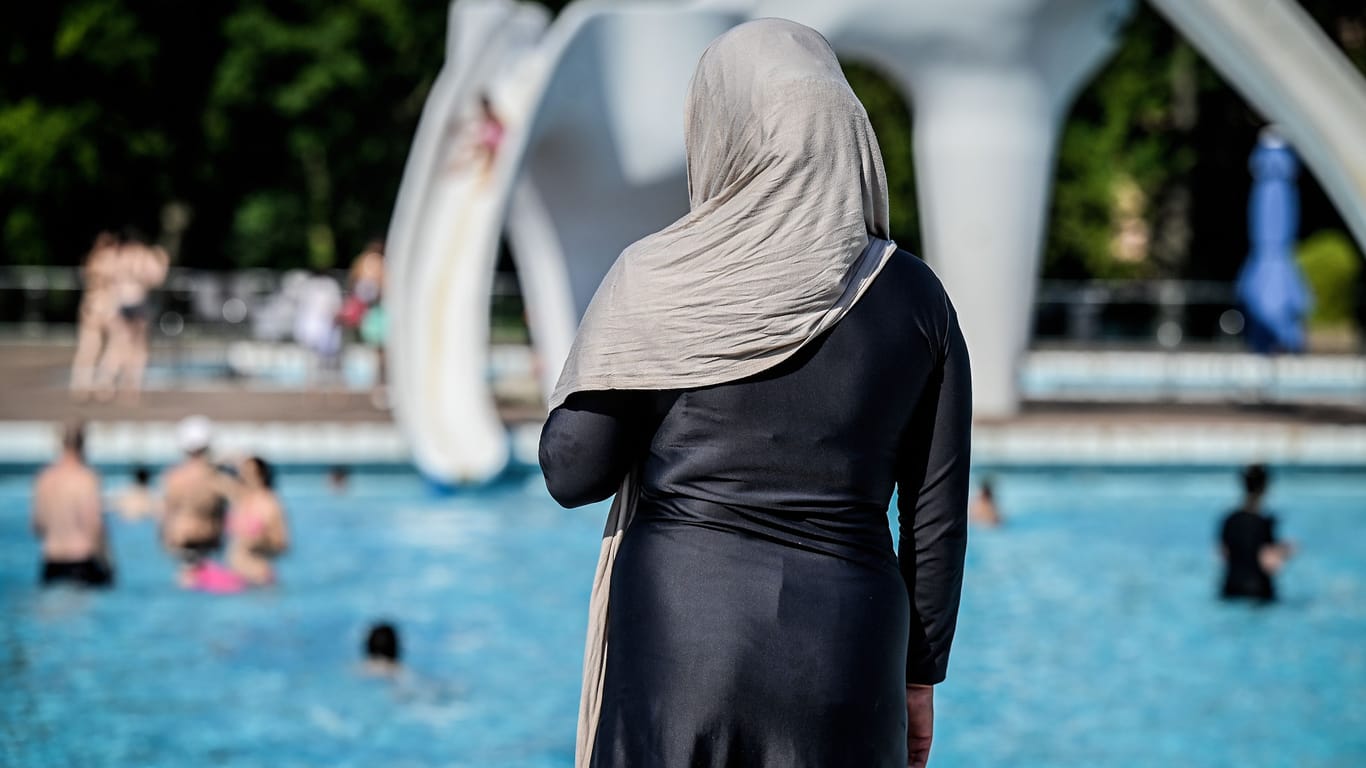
<point>1270,286</point>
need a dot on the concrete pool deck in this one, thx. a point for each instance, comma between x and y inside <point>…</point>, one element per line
<point>342,427</point>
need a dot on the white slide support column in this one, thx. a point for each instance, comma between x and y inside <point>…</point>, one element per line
<point>990,84</point>
<point>984,161</point>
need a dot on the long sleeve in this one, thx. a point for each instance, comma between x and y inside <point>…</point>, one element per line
<point>932,480</point>
<point>589,443</point>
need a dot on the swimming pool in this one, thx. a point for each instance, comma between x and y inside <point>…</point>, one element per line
<point>1088,635</point>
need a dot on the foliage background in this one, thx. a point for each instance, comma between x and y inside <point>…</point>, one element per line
<point>274,133</point>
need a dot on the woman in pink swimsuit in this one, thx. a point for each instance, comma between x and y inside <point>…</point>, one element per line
<point>257,530</point>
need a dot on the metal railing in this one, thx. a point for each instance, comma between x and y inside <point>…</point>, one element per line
<point>243,304</point>
<point>1163,314</point>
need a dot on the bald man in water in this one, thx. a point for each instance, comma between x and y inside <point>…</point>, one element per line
<point>67,518</point>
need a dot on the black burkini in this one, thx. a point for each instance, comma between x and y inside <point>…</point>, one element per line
<point>90,572</point>
<point>1243,535</point>
<point>758,615</point>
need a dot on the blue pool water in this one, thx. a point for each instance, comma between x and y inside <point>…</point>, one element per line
<point>1088,635</point>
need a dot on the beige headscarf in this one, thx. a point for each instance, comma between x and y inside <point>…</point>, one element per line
<point>788,225</point>
<point>787,230</point>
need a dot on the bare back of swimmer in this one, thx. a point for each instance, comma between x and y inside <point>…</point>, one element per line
<point>192,526</point>
<point>67,518</point>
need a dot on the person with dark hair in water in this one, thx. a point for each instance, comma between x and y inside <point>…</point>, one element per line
<point>382,648</point>
<point>984,510</point>
<point>257,530</point>
<point>338,479</point>
<point>67,517</point>
<point>137,502</point>
<point>1248,544</point>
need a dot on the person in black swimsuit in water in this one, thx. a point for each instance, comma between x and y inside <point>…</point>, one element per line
<point>1248,544</point>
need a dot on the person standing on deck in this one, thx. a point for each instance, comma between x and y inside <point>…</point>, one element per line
<point>67,518</point>
<point>140,268</point>
<point>96,315</point>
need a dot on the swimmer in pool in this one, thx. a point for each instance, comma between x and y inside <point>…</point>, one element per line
<point>382,649</point>
<point>1247,542</point>
<point>194,502</point>
<point>257,530</point>
<point>338,479</point>
<point>67,518</point>
<point>983,510</point>
<point>137,502</point>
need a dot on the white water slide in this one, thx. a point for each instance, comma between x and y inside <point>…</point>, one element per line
<point>436,283</point>
<point>593,159</point>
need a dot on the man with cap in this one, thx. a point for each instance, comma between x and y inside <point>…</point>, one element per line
<point>67,518</point>
<point>192,528</point>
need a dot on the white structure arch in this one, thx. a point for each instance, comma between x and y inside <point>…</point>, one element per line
<point>593,159</point>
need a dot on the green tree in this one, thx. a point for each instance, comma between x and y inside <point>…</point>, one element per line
<point>322,97</point>
<point>1332,267</point>
<point>74,134</point>
<point>890,115</point>
<point>1120,157</point>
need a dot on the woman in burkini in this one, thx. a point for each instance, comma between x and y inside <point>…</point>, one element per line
<point>755,379</point>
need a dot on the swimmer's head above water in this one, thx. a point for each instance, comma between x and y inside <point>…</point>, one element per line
<point>1255,479</point>
<point>381,644</point>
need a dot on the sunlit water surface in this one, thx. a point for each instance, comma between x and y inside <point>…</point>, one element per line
<point>1089,635</point>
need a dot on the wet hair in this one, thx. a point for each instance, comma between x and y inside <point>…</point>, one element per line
<point>988,489</point>
<point>264,470</point>
<point>73,436</point>
<point>1255,478</point>
<point>381,642</point>
<point>141,475</point>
